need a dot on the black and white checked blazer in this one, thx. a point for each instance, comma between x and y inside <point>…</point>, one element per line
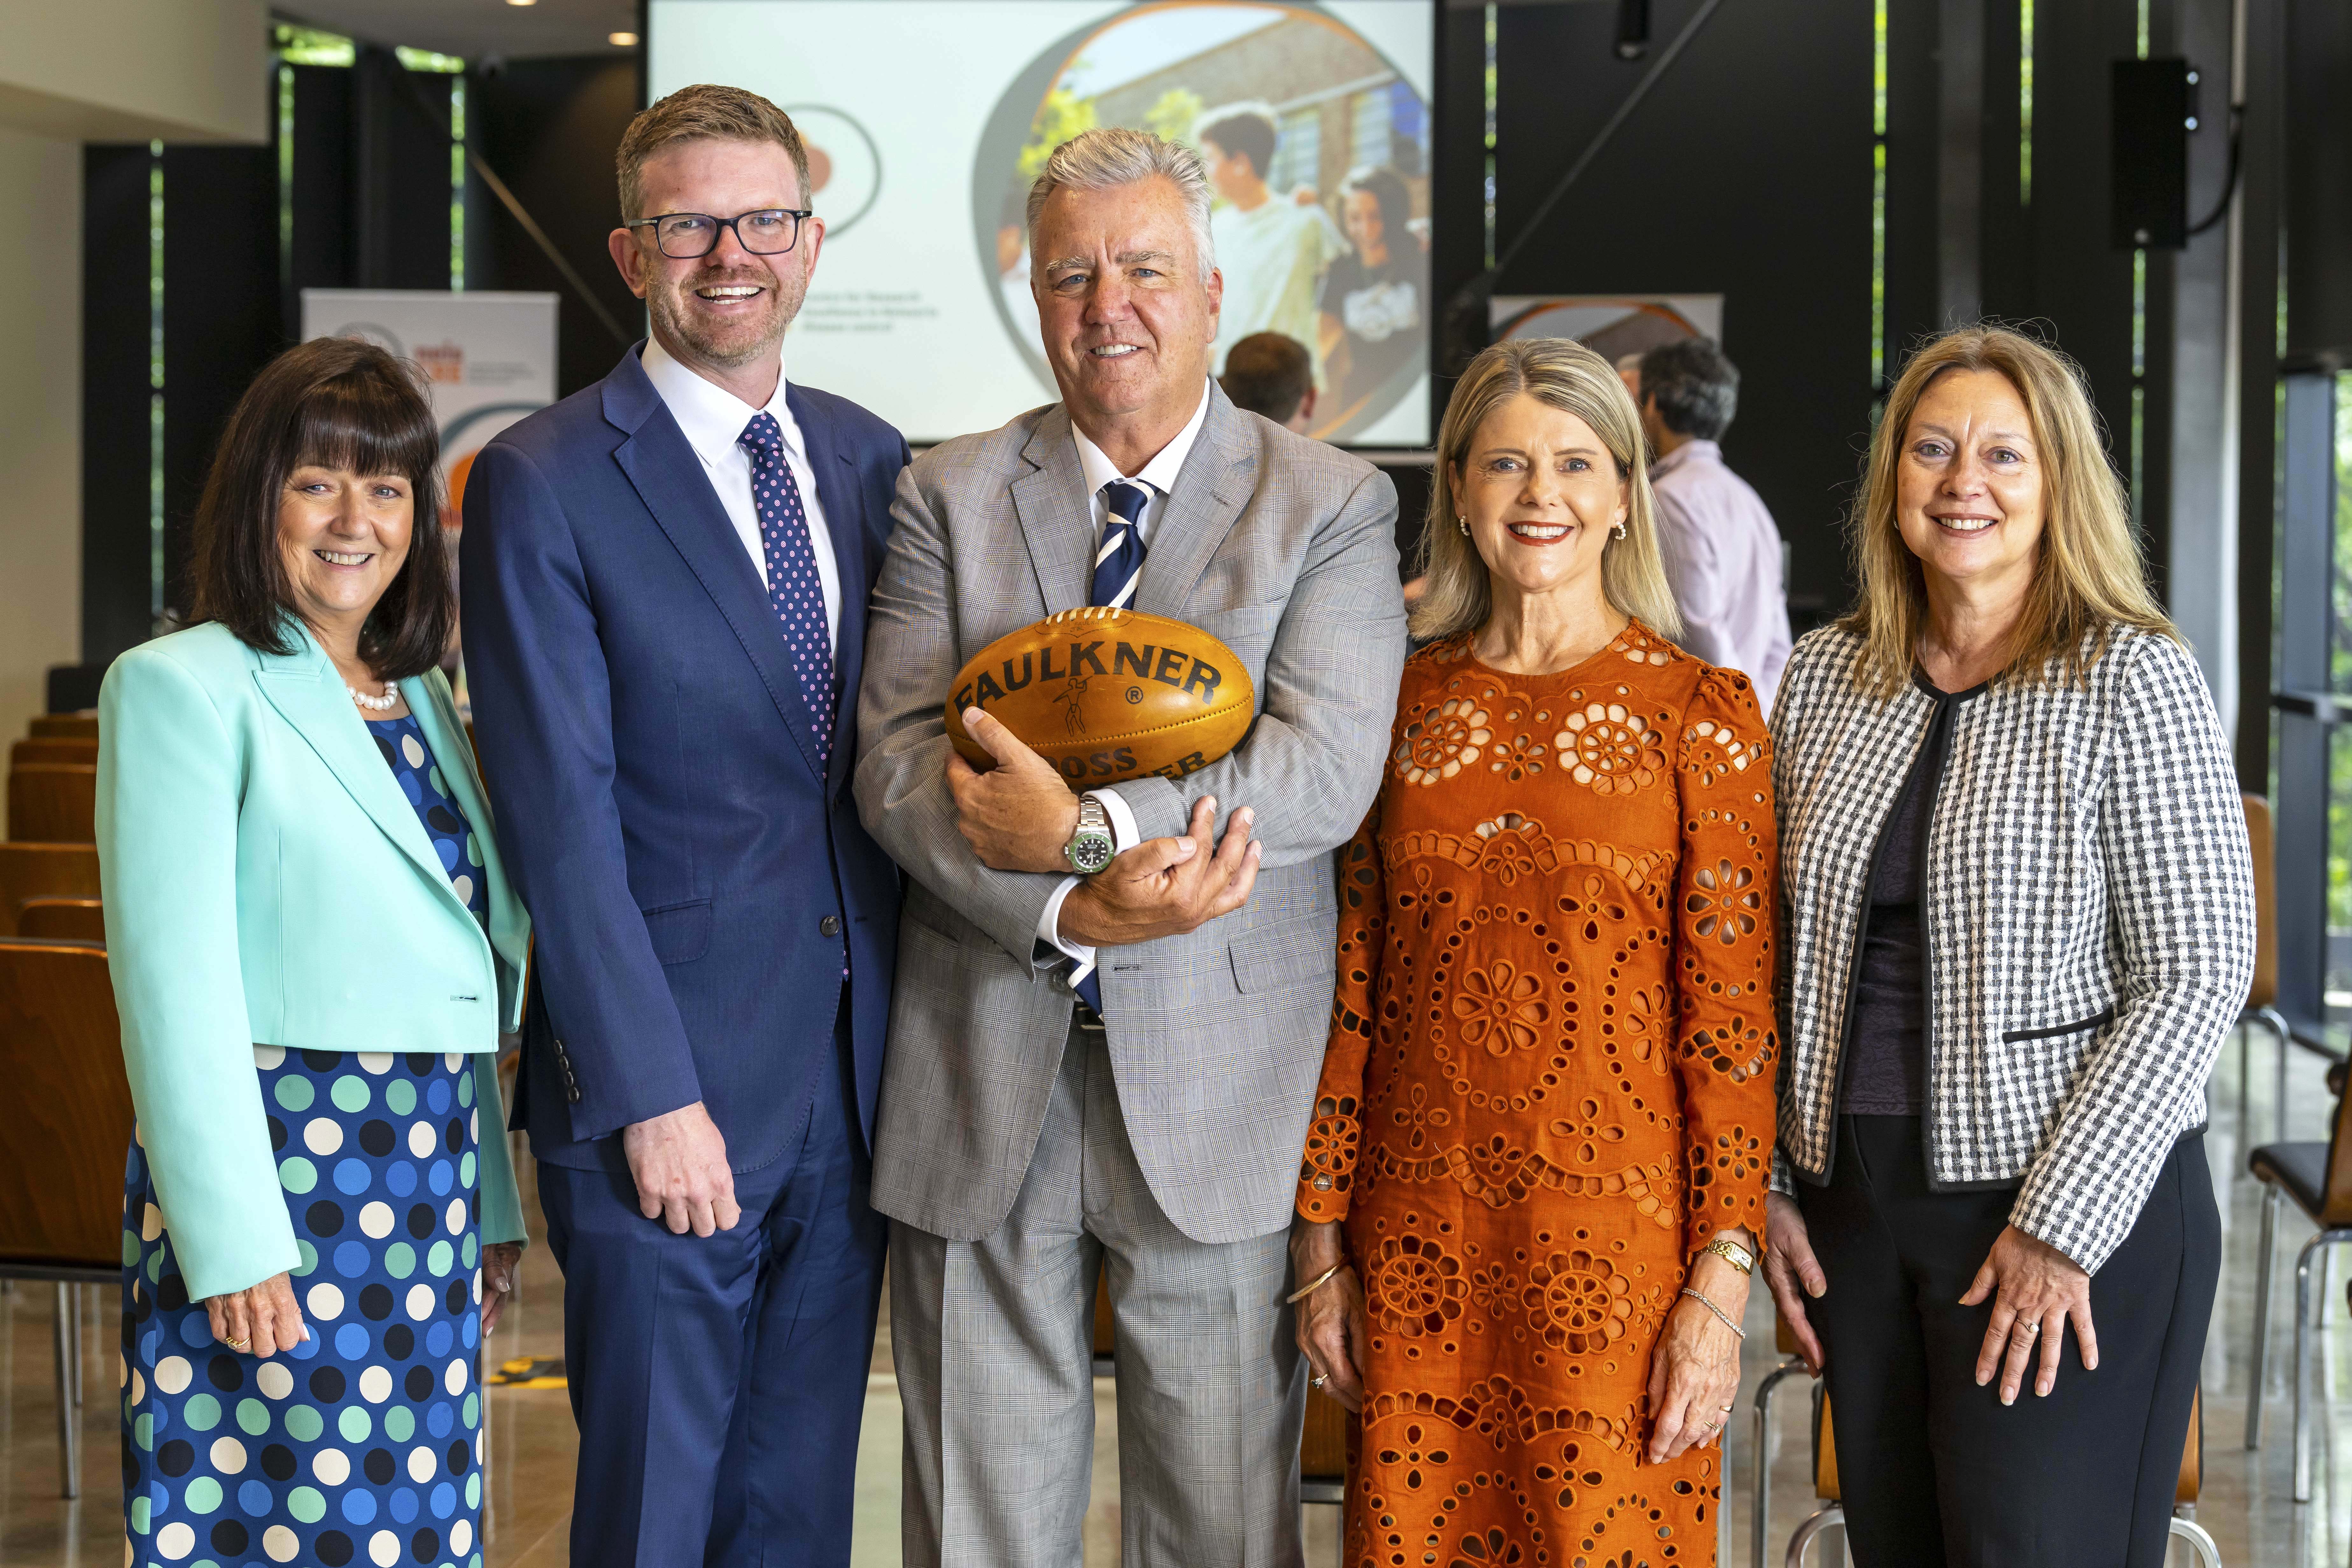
<point>2089,910</point>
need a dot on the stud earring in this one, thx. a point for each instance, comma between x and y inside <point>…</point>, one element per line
<point>1462,523</point>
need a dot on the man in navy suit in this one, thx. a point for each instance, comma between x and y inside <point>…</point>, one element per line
<point>665,580</point>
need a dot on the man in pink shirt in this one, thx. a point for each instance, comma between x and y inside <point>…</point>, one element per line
<point>1722,551</point>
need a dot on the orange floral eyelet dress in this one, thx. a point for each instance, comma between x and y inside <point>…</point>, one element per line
<point>1550,1081</point>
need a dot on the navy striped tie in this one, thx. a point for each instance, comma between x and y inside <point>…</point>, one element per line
<point>1119,566</point>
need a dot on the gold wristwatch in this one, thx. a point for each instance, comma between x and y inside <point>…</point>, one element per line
<point>1731,1252</point>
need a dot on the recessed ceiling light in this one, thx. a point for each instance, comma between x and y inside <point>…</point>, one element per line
<point>523,2</point>
<point>623,40</point>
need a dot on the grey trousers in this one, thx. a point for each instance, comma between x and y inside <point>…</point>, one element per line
<point>993,1341</point>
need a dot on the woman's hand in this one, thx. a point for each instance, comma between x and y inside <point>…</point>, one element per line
<point>260,1320</point>
<point>500,1260</point>
<point>1790,1268</point>
<point>2035,1289</point>
<point>1694,1370</point>
<point>1331,1325</point>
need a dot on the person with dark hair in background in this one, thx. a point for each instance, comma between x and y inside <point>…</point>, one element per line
<point>665,587</point>
<point>1271,249</point>
<point>1372,301</point>
<point>1722,551</point>
<point>314,948</point>
<point>1269,374</point>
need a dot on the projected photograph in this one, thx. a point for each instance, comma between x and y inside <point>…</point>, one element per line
<point>1317,148</point>
<point>927,119</point>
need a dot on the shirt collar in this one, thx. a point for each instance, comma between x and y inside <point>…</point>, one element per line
<point>1159,473</point>
<point>712,417</point>
<point>1684,453</point>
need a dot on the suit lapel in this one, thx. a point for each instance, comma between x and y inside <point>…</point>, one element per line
<point>837,493</point>
<point>453,753</point>
<point>308,695</point>
<point>669,479</point>
<point>1211,489</point>
<point>1057,515</point>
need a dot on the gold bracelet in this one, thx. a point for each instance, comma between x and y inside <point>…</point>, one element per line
<point>1320,1280</point>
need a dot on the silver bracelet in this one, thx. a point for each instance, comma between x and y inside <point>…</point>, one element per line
<point>1721,1316</point>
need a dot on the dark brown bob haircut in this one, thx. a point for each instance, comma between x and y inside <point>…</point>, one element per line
<point>332,403</point>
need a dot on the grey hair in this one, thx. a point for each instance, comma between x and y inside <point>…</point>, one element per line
<point>1695,387</point>
<point>1113,155</point>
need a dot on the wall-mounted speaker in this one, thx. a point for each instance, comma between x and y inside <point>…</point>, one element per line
<point>2150,115</point>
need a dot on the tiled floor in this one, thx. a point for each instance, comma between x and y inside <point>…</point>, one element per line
<point>2247,1503</point>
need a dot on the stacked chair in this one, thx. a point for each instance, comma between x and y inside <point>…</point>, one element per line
<point>66,1120</point>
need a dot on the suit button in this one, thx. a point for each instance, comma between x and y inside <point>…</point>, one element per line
<point>829,926</point>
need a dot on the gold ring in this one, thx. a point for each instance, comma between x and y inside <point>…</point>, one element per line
<point>237,1344</point>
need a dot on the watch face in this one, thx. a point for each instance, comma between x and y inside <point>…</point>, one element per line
<point>1090,852</point>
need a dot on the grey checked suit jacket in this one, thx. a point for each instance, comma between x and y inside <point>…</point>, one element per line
<point>1284,549</point>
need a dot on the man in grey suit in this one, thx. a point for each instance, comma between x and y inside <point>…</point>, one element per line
<point>1115,1071</point>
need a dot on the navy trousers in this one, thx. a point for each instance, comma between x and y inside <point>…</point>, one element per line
<point>719,1380</point>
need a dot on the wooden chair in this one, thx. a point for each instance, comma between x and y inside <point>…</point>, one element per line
<point>53,803</point>
<point>64,1127</point>
<point>43,750</point>
<point>2318,1177</point>
<point>65,726</point>
<point>2261,996</point>
<point>2184,1494</point>
<point>62,920</point>
<point>44,871</point>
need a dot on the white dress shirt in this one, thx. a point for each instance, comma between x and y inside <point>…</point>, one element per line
<point>1722,556</point>
<point>713,419</point>
<point>1157,476</point>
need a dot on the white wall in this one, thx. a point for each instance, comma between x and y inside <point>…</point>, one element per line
<point>40,420</point>
<point>134,71</point>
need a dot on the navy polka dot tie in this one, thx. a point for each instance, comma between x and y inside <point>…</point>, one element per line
<point>794,591</point>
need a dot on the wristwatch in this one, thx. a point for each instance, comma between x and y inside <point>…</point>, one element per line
<point>1090,848</point>
<point>1731,1252</point>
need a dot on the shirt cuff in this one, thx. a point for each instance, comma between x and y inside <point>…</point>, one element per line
<point>1124,836</point>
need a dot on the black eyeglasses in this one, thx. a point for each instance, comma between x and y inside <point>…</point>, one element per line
<point>682,237</point>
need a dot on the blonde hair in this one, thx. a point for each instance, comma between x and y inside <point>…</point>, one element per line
<point>1566,375</point>
<point>699,114</point>
<point>2089,577</point>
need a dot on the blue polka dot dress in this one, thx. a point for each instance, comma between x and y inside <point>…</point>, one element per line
<point>364,1444</point>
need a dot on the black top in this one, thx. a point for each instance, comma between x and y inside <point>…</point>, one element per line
<point>1886,1028</point>
<point>1382,312</point>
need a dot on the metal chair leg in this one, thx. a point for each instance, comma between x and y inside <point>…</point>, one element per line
<point>2245,1078</point>
<point>1806,1533</point>
<point>2302,1359</point>
<point>77,1291</point>
<point>2271,1196</point>
<point>2208,1554</point>
<point>69,1433</point>
<point>1762,1523</point>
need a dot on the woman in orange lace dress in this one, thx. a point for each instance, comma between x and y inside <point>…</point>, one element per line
<point>1540,1150</point>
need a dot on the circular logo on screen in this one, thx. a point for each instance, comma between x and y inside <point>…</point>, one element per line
<point>844,164</point>
<point>1317,152</point>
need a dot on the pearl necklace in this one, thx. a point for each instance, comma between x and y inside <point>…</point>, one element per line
<point>383,704</point>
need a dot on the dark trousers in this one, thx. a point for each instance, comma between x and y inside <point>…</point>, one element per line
<point>1935,1469</point>
<point>719,1380</point>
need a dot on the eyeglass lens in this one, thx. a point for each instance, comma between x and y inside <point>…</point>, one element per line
<point>684,236</point>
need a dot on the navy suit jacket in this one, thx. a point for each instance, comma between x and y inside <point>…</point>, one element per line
<point>699,882</point>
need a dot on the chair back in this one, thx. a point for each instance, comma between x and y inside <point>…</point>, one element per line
<point>52,751</point>
<point>2335,1197</point>
<point>2192,1454</point>
<point>2264,992</point>
<point>62,920</point>
<point>1825,1474</point>
<point>65,726</point>
<point>43,871</point>
<point>53,803</point>
<point>65,1122</point>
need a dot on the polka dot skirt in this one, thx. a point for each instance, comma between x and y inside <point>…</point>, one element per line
<point>364,1444</point>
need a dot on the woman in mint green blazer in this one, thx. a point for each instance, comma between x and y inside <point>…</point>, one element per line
<point>314,952</point>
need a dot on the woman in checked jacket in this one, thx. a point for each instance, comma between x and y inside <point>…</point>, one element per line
<point>2018,922</point>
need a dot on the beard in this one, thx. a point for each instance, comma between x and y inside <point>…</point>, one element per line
<point>727,344</point>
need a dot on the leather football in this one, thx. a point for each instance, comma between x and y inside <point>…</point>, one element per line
<point>1108,695</point>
